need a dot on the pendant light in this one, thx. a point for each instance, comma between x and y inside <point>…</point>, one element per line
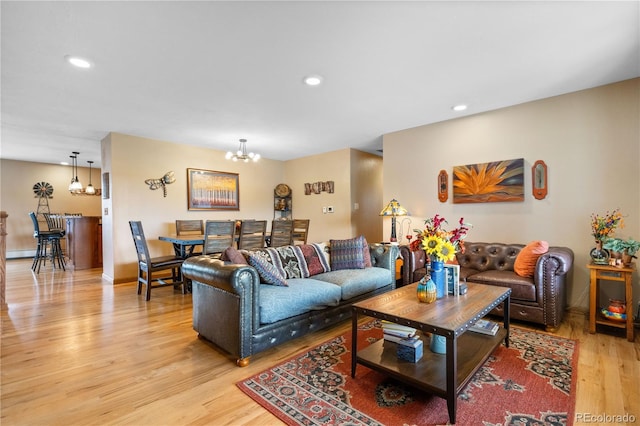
<point>75,187</point>
<point>90,189</point>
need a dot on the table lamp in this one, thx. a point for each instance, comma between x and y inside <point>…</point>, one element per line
<point>393,209</point>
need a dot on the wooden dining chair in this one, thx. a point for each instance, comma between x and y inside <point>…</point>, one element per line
<point>218,235</point>
<point>281,233</point>
<point>190,227</point>
<point>252,234</point>
<point>148,266</point>
<point>300,231</point>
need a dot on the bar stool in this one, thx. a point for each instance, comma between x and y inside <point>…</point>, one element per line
<point>44,239</point>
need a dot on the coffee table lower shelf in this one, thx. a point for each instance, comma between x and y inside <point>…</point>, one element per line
<point>430,372</point>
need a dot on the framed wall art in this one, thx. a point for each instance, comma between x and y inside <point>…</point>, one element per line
<point>212,190</point>
<point>493,182</point>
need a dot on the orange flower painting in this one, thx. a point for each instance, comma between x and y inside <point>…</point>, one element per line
<point>489,182</point>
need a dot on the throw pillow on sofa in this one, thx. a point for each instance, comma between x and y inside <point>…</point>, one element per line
<point>347,254</point>
<point>268,273</point>
<point>366,254</point>
<point>289,261</point>
<point>233,255</point>
<point>525,264</point>
<point>315,259</point>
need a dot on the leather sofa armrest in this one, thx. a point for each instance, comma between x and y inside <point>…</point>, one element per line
<point>412,260</point>
<point>550,278</point>
<point>384,256</point>
<point>562,255</point>
<point>233,278</point>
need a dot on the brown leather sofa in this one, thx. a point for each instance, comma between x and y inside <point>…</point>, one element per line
<point>541,299</point>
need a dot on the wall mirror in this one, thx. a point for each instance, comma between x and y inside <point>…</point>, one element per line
<point>539,179</point>
<point>443,186</point>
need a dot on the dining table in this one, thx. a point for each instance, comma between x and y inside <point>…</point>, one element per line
<point>183,244</point>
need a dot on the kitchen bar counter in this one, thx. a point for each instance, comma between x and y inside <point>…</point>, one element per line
<point>84,241</point>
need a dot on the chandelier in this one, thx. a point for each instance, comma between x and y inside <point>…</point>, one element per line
<point>241,153</point>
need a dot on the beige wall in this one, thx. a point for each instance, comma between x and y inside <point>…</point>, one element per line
<point>132,160</point>
<point>590,141</point>
<point>17,198</point>
<point>329,166</point>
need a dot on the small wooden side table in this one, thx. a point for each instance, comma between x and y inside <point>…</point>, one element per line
<point>610,273</point>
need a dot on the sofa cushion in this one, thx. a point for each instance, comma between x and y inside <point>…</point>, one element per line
<point>314,259</point>
<point>354,282</point>
<point>268,273</point>
<point>522,288</point>
<point>347,254</point>
<point>302,295</point>
<point>525,264</point>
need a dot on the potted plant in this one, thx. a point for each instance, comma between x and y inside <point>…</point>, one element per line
<point>630,248</point>
<point>615,246</point>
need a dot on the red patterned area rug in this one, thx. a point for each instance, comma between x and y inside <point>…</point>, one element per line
<point>530,383</point>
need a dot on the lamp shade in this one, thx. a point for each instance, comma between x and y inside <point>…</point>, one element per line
<point>393,208</point>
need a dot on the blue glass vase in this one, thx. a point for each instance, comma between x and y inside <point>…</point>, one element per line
<point>438,277</point>
<point>438,344</point>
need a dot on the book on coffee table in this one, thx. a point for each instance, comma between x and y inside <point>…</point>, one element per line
<point>398,330</point>
<point>406,341</point>
<point>485,327</point>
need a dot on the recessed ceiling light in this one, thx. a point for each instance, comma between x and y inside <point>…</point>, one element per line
<point>459,107</point>
<point>78,62</point>
<point>313,80</point>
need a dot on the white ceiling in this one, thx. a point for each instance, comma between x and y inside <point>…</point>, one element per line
<point>208,73</point>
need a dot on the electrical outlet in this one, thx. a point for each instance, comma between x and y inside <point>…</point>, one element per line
<point>330,209</point>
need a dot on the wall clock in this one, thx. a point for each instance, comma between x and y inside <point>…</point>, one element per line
<point>283,190</point>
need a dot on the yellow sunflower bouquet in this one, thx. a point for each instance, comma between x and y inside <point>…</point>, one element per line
<point>439,244</point>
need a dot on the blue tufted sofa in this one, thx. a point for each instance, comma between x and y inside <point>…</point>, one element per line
<point>233,309</point>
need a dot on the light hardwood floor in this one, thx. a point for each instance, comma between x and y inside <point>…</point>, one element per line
<point>78,351</point>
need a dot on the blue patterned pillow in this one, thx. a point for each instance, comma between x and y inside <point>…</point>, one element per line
<point>268,273</point>
<point>347,254</point>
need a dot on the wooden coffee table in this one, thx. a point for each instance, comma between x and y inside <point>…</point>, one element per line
<point>447,374</point>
